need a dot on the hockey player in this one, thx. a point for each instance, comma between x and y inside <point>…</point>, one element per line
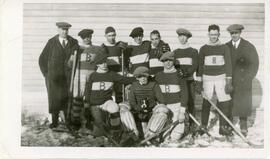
<point>114,60</point>
<point>98,96</point>
<point>147,104</point>
<point>138,52</point>
<point>158,47</point>
<point>174,90</point>
<point>84,69</point>
<point>187,61</point>
<point>215,76</point>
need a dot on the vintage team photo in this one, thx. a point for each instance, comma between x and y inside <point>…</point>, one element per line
<point>179,75</point>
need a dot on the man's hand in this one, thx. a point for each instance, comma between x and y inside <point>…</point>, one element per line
<point>122,45</point>
<point>199,86</point>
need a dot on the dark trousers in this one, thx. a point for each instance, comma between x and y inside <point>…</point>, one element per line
<point>223,106</point>
<point>118,92</point>
<point>243,123</point>
<point>191,98</point>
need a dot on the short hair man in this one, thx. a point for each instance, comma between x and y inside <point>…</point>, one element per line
<point>114,50</point>
<point>158,47</point>
<point>55,65</point>
<point>245,63</point>
<point>215,76</point>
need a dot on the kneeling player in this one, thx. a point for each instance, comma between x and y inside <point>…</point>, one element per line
<point>98,95</point>
<point>147,103</point>
<point>174,90</point>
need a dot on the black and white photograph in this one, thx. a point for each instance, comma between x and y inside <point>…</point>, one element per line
<point>129,76</point>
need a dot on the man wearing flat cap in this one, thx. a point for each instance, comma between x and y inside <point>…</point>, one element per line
<point>245,64</point>
<point>187,62</point>
<point>56,65</point>
<point>114,61</point>
<point>147,104</point>
<point>98,96</point>
<point>158,47</point>
<point>84,69</point>
<point>174,90</point>
<point>138,52</point>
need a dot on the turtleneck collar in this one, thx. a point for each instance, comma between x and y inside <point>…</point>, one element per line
<point>214,44</point>
<point>184,46</point>
<point>171,70</point>
<point>101,70</point>
<point>108,44</point>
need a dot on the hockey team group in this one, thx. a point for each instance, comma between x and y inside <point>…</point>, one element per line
<point>144,92</point>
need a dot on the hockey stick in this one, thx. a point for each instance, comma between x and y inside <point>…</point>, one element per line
<point>71,87</point>
<point>230,123</point>
<point>122,67</point>
<point>157,133</point>
<point>107,135</point>
<point>204,130</point>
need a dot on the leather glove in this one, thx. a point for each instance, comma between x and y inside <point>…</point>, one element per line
<point>165,48</point>
<point>228,86</point>
<point>199,86</point>
<point>180,73</point>
<point>122,45</point>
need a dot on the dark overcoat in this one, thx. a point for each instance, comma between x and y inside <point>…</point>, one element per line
<point>55,65</point>
<point>245,64</point>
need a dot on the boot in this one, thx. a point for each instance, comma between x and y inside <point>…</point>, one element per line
<point>54,123</point>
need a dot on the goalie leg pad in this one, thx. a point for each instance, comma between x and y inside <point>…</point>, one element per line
<point>127,120</point>
<point>157,121</point>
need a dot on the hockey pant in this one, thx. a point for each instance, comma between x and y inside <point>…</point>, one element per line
<point>106,116</point>
<point>177,131</point>
<point>223,106</point>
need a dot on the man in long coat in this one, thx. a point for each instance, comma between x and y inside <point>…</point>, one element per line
<point>245,64</point>
<point>56,65</point>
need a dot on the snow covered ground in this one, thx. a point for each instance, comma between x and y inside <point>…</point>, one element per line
<point>36,132</point>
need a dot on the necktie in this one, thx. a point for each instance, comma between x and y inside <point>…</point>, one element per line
<point>234,45</point>
<point>64,43</point>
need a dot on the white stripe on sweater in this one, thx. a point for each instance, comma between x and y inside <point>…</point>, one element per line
<point>142,58</point>
<point>185,61</point>
<point>170,88</point>
<point>214,60</point>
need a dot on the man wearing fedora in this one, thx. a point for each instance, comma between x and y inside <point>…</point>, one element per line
<point>56,65</point>
<point>245,63</point>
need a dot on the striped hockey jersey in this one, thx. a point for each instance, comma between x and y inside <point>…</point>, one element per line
<point>99,87</point>
<point>187,60</point>
<point>114,59</point>
<point>214,61</point>
<point>172,87</point>
<point>86,57</point>
<point>138,55</point>
<point>155,65</point>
